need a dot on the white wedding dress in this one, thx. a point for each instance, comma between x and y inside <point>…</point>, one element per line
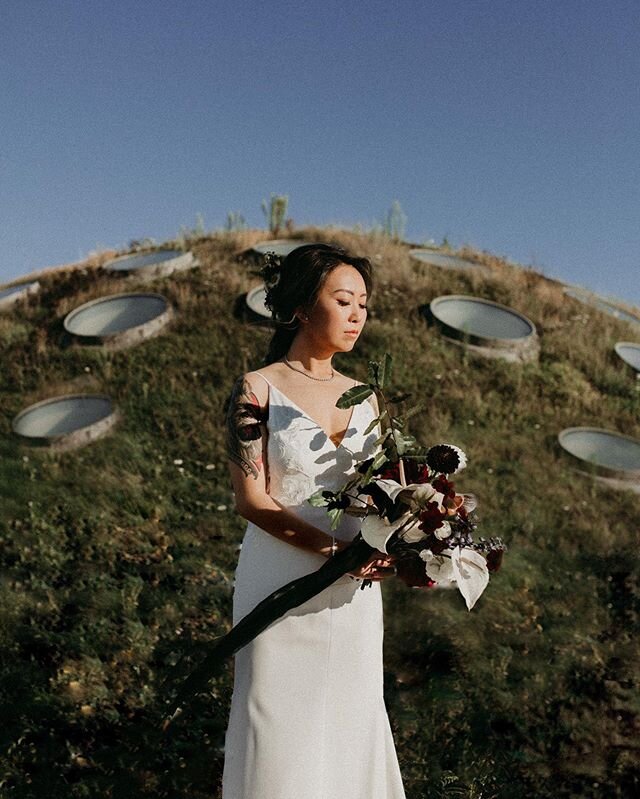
<point>308,719</point>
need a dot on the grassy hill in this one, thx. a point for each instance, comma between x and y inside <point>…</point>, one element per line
<point>118,558</point>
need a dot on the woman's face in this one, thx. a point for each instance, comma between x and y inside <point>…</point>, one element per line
<point>337,318</point>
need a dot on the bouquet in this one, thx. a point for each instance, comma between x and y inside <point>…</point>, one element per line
<point>409,509</point>
<point>424,523</point>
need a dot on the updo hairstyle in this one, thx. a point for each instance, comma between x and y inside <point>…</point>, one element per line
<point>295,281</point>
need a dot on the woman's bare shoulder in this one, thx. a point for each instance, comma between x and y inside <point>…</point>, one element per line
<point>259,378</point>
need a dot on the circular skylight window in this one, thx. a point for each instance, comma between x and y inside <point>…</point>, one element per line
<point>11,295</point>
<point>630,353</point>
<point>486,327</point>
<point>601,304</point>
<point>66,422</point>
<point>120,320</point>
<point>281,247</point>
<point>255,301</point>
<point>444,261</point>
<point>150,265</point>
<point>603,451</point>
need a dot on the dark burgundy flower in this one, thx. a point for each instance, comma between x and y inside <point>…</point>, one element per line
<point>414,472</point>
<point>446,459</point>
<point>390,472</point>
<point>411,571</point>
<point>494,559</point>
<point>431,517</point>
<point>444,486</point>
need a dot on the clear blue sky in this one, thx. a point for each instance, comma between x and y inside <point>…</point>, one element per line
<point>509,125</point>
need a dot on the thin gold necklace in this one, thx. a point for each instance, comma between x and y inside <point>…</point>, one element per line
<point>306,374</point>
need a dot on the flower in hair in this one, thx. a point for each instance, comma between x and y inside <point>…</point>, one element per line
<point>271,272</point>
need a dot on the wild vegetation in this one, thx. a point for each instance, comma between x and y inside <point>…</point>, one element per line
<point>118,558</point>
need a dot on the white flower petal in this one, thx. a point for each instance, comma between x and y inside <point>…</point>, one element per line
<point>423,493</point>
<point>393,489</point>
<point>413,534</point>
<point>390,487</point>
<point>470,573</point>
<point>470,502</point>
<point>461,457</point>
<point>440,569</point>
<point>376,531</point>
<point>444,531</point>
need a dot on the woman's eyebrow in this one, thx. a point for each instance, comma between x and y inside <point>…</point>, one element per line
<point>364,293</point>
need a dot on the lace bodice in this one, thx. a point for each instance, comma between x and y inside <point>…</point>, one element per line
<point>302,458</point>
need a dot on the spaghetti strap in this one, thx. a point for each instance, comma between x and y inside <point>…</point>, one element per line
<point>263,377</point>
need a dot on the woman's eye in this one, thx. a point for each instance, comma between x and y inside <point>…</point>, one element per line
<point>342,302</point>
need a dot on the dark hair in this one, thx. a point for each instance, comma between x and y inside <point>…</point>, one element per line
<point>295,281</point>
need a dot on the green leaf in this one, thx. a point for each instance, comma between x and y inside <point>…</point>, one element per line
<point>382,440</point>
<point>384,372</point>
<point>374,368</point>
<point>335,514</point>
<point>353,396</point>
<point>405,443</point>
<point>375,422</point>
<point>318,500</point>
<point>380,458</point>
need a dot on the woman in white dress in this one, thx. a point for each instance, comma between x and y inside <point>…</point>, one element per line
<point>307,719</point>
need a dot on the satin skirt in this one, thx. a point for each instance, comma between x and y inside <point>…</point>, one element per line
<point>307,716</point>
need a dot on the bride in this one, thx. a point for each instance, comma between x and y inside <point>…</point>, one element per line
<point>307,714</point>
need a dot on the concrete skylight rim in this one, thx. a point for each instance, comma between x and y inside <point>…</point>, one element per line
<point>477,338</point>
<point>10,295</point>
<point>255,307</point>
<point>456,262</point>
<point>161,319</point>
<point>630,475</point>
<point>630,345</point>
<point>71,439</point>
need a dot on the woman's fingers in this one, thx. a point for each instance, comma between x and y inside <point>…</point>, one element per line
<point>378,568</point>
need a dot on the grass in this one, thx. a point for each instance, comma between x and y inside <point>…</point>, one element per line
<point>118,559</point>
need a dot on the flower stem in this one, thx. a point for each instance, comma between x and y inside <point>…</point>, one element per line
<point>403,479</point>
<point>389,420</point>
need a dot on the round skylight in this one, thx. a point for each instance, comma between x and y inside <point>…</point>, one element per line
<point>66,422</point>
<point>255,301</point>
<point>605,452</point>
<point>11,295</point>
<point>281,247</point>
<point>444,261</point>
<point>150,265</point>
<point>610,308</point>
<point>120,320</point>
<point>485,327</point>
<point>630,353</point>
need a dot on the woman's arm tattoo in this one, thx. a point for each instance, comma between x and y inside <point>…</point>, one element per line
<point>244,431</point>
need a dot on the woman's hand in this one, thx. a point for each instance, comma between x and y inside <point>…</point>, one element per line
<point>377,567</point>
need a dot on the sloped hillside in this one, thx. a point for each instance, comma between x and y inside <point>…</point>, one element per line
<point>118,558</point>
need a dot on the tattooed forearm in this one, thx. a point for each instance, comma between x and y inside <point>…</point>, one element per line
<point>244,432</point>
